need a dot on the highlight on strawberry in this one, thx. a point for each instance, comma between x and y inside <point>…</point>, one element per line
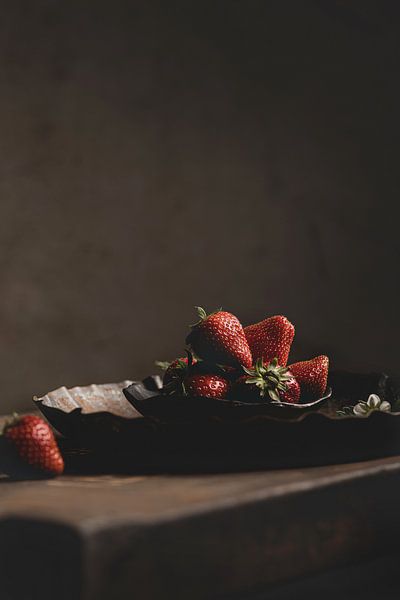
<point>207,385</point>
<point>228,362</point>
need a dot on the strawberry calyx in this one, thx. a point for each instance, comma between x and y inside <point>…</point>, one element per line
<point>203,315</point>
<point>165,364</point>
<point>270,378</point>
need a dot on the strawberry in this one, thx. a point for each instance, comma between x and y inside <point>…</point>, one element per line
<point>219,338</point>
<point>177,369</point>
<point>33,440</point>
<point>292,392</point>
<point>271,338</point>
<point>312,376</point>
<point>268,382</point>
<point>177,372</point>
<point>209,385</point>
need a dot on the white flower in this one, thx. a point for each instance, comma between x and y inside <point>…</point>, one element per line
<point>385,406</point>
<point>361,409</point>
<point>374,401</point>
<point>364,409</point>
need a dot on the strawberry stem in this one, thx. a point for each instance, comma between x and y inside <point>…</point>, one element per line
<point>269,378</point>
<point>201,312</point>
<point>203,315</point>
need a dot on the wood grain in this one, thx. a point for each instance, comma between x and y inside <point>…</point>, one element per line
<point>199,536</point>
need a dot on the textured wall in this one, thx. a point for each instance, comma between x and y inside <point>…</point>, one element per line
<point>158,155</point>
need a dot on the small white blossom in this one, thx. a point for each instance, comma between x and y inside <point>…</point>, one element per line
<point>374,401</point>
<point>363,409</point>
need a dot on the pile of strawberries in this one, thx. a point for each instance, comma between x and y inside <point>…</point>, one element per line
<point>226,361</point>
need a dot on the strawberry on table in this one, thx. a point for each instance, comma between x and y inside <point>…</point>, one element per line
<point>312,376</point>
<point>265,382</point>
<point>34,442</point>
<point>219,338</point>
<point>207,385</point>
<point>271,338</point>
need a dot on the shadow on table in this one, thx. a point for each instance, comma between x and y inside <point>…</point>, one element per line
<point>261,445</point>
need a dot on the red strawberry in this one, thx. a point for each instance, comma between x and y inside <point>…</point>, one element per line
<point>267,382</point>
<point>35,444</point>
<point>312,376</point>
<point>219,338</point>
<point>208,385</point>
<point>292,392</point>
<point>271,338</point>
<point>177,369</point>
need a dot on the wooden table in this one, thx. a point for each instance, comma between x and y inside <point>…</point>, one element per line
<point>232,535</point>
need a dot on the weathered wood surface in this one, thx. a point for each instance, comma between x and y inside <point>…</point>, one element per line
<point>199,536</point>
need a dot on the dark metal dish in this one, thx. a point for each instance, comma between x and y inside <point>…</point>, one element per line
<point>100,418</point>
<point>89,412</point>
<point>147,397</point>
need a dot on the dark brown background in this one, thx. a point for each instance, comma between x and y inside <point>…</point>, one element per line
<point>157,155</point>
